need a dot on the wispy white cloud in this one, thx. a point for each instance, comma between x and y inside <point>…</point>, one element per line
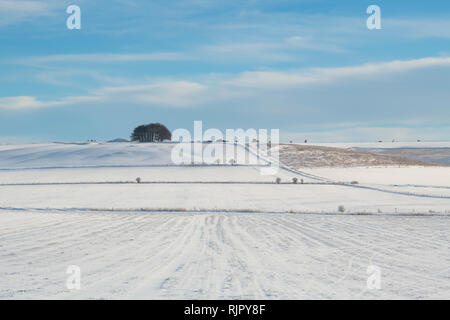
<point>20,103</point>
<point>13,11</point>
<point>277,79</point>
<point>176,94</point>
<point>272,50</point>
<point>167,93</point>
<point>30,102</point>
<point>419,27</point>
<point>285,49</point>
<point>102,58</point>
<point>24,7</point>
<point>214,90</point>
<point>71,77</point>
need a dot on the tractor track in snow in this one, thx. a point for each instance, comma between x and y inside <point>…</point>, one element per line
<point>222,256</point>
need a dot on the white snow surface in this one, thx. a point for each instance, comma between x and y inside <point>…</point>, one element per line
<point>222,256</point>
<point>383,144</point>
<point>98,154</point>
<point>413,175</point>
<point>215,232</point>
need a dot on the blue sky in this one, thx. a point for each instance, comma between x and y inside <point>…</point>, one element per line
<point>309,68</point>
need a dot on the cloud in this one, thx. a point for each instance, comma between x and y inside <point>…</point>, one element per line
<point>103,58</point>
<point>419,27</point>
<point>71,77</point>
<point>405,99</point>
<point>24,7</point>
<point>28,102</point>
<point>20,103</point>
<point>381,91</point>
<point>13,11</point>
<point>278,49</point>
<point>281,50</point>
<point>276,79</point>
<point>246,79</point>
<point>177,94</point>
<point>167,93</point>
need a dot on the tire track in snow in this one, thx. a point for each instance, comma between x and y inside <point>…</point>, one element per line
<point>213,255</point>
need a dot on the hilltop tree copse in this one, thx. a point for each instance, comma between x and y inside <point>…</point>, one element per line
<point>153,132</point>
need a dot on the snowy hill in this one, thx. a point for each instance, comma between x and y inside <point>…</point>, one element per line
<point>218,232</point>
<point>83,154</point>
<point>67,155</point>
<point>383,145</point>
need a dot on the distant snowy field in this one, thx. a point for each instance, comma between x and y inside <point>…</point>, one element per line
<point>384,144</point>
<point>438,152</point>
<point>216,231</point>
<point>73,155</point>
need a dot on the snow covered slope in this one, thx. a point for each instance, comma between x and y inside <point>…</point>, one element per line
<point>215,231</point>
<point>103,176</point>
<point>62,155</point>
<point>383,145</point>
<point>395,152</point>
<point>83,154</point>
<point>222,256</point>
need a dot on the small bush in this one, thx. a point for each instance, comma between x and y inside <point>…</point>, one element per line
<point>278,180</point>
<point>138,180</point>
<point>354,182</point>
<point>294,180</point>
<point>341,208</point>
<point>301,181</point>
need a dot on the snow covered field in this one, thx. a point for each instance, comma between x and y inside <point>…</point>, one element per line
<point>216,231</point>
<point>210,255</point>
<point>419,151</point>
<point>384,144</point>
<point>98,154</point>
<point>147,174</point>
